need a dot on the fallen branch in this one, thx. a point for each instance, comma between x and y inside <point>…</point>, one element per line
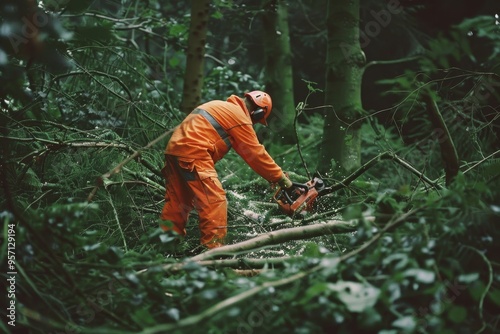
<point>268,239</point>
<point>278,237</point>
<point>238,264</point>
<point>231,301</point>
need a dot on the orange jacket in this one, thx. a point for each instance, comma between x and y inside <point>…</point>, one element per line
<point>196,137</point>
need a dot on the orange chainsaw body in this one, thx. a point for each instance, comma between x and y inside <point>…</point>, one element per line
<point>302,198</point>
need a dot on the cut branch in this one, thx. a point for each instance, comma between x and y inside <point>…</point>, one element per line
<point>278,237</point>
<point>270,239</point>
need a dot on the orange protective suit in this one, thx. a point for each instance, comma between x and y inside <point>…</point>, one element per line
<point>201,140</point>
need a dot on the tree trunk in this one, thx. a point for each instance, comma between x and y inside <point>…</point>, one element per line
<point>278,68</point>
<point>193,77</point>
<point>345,62</point>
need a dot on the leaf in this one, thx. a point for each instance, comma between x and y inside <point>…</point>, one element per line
<point>495,208</point>
<point>352,212</point>
<point>357,297</point>
<point>165,238</point>
<point>476,290</point>
<point>313,291</point>
<point>142,317</point>
<point>468,278</point>
<point>401,258</point>
<point>369,318</point>
<point>174,62</point>
<point>406,323</point>
<point>132,277</point>
<point>457,314</point>
<point>177,30</point>
<point>174,313</point>
<point>312,249</point>
<point>421,275</point>
<point>91,247</point>
<point>494,296</point>
<point>217,15</point>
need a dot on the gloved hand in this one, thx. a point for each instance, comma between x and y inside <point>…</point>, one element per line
<point>292,190</point>
<point>285,182</point>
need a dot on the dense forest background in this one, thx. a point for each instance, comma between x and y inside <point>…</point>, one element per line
<point>394,103</point>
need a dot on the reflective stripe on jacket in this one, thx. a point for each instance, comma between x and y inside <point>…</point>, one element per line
<point>197,138</point>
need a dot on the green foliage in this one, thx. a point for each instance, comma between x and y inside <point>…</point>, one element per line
<point>461,77</point>
<point>92,260</point>
<point>222,81</point>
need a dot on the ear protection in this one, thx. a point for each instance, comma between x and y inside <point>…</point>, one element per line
<point>257,115</point>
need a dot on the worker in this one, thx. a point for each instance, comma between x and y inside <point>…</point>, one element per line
<point>202,139</point>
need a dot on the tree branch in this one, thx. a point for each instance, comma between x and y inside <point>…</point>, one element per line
<point>53,145</point>
<point>383,156</point>
<point>481,161</point>
<point>390,62</point>
<point>298,111</point>
<point>101,180</point>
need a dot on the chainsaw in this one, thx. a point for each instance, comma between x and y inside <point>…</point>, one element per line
<point>301,198</point>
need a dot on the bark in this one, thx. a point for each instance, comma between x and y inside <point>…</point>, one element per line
<point>193,77</point>
<point>448,151</point>
<point>239,265</point>
<point>345,61</point>
<point>278,68</point>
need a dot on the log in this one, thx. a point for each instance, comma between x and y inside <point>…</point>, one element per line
<point>278,237</point>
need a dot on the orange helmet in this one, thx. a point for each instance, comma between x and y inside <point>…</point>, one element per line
<point>262,100</point>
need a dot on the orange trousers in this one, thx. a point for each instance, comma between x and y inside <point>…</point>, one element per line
<point>193,184</point>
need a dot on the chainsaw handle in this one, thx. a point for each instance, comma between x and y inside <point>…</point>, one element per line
<point>301,185</point>
<point>296,185</point>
